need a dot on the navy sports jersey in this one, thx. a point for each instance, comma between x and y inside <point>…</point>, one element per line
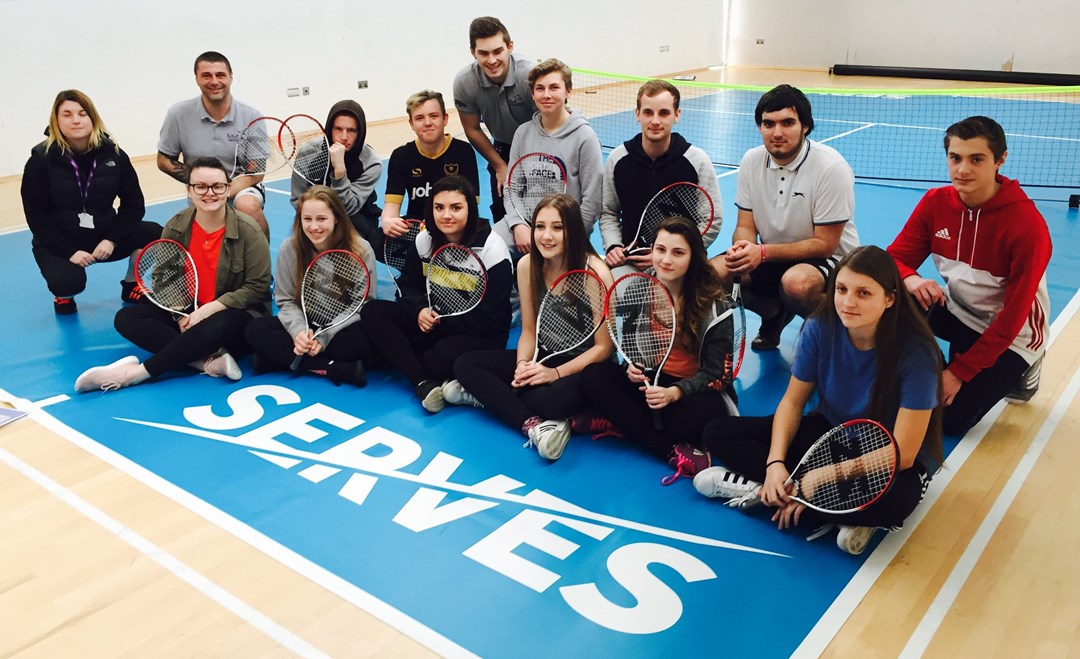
<point>411,174</point>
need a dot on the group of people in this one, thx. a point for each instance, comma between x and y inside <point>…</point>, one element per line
<point>867,347</point>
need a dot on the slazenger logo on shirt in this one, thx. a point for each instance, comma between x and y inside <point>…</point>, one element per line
<point>943,234</point>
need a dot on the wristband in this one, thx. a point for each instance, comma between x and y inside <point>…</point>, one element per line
<point>762,246</point>
<point>771,463</point>
<point>558,376</point>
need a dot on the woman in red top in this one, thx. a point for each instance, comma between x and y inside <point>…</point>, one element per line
<point>232,259</point>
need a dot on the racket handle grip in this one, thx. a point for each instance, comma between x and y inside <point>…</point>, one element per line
<point>295,366</point>
<point>657,421</point>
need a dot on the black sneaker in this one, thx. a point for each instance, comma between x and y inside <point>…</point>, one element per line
<point>64,306</point>
<point>130,291</point>
<point>347,372</point>
<point>1027,385</point>
<point>768,337</point>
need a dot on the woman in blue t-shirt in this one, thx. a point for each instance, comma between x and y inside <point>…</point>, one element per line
<point>868,354</point>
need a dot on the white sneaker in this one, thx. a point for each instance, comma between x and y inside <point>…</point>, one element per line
<point>106,378</point>
<point>431,396</point>
<point>455,394</point>
<point>721,482</point>
<point>550,438</point>
<point>222,364</point>
<point>853,539</point>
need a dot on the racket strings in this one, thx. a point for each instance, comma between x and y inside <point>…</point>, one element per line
<point>333,288</point>
<point>456,280</point>
<point>679,199</point>
<point>570,312</point>
<point>259,149</point>
<point>168,276</point>
<point>534,177</point>
<point>395,249</point>
<point>644,320</point>
<point>852,468</point>
<point>306,140</point>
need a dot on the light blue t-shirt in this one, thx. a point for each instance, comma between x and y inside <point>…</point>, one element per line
<point>845,376</point>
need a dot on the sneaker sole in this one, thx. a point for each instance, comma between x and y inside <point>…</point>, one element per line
<point>554,447</point>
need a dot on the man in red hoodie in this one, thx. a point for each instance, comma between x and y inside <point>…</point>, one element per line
<point>991,246</point>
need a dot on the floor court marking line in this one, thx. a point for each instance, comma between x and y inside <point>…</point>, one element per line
<point>544,501</point>
<point>849,598</point>
<point>315,573</point>
<point>170,563</point>
<point>924,633</point>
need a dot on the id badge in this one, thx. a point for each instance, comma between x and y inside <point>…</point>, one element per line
<point>86,220</point>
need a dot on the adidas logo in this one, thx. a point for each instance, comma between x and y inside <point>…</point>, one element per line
<point>943,234</point>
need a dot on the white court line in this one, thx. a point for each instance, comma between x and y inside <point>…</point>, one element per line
<point>313,572</point>
<point>170,563</point>
<point>935,614</point>
<point>834,618</point>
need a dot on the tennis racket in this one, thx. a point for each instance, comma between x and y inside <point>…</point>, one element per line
<point>304,137</point>
<point>395,248</point>
<point>641,320</point>
<point>532,177</point>
<point>738,327</point>
<point>335,286</point>
<point>259,147</point>
<point>570,313</point>
<point>686,199</point>
<point>456,280</point>
<point>846,470</point>
<point>166,272</point>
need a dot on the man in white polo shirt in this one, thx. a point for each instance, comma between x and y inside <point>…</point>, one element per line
<point>796,202</point>
<point>493,89</point>
<point>209,125</point>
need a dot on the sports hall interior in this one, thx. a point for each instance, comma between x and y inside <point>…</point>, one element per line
<point>100,562</point>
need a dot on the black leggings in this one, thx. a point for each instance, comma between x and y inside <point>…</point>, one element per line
<point>486,374</point>
<point>989,385</point>
<point>154,330</point>
<point>742,444</point>
<point>66,279</point>
<point>619,400</point>
<point>419,356</point>
<point>269,338</point>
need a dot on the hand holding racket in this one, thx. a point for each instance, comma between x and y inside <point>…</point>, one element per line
<point>396,248</point>
<point>641,320</point>
<point>684,199</point>
<point>305,138</point>
<point>570,314</point>
<point>456,281</point>
<point>335,286</point>
<point>532,177</point>
<point>166,272</point>
<point>259,148</point>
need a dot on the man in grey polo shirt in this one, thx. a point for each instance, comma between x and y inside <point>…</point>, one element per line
<point>796,202</point>
<point>208,125</point>
<point>493,89</point>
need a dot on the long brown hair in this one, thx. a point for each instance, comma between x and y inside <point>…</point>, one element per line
<point>701,285</point>
<point>900,327</point>
<point>98,135</point>
<point>576,246</point>
<point>344,235</point>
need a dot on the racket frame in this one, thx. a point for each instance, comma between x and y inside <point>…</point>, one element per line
<point>341,318</point>
<point>148,290</point>
<point>481,275</point>
<point>634,248</point>
<point>545,305</point>
<point>298,145</point>
<point>413,223</point>
<point>270,139</point>
<point>516,201</point>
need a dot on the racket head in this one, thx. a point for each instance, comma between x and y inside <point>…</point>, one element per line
<point>456,280</point>
<point>570,313</point>
<point>738,328</point>
<point>683,198</point>
<point>259,149</point>
<point>641,320</point>
<point>395,248</point>
<point>166,272</point>
<point>861,444</point>
<point>304,137</point>
<point>334,287</point>
<point>532,177</point>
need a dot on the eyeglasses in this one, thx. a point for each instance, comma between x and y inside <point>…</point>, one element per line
<point>203,188</point>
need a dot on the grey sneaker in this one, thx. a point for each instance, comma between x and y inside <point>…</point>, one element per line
<point>455,394</point>
<point>1027,385</point>
<point>550,438</point>
<point>431,396</point>
<point>853,539</point>
<point>722,483</point>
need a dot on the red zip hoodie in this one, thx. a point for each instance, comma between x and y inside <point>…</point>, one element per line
<point>993,260</point>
